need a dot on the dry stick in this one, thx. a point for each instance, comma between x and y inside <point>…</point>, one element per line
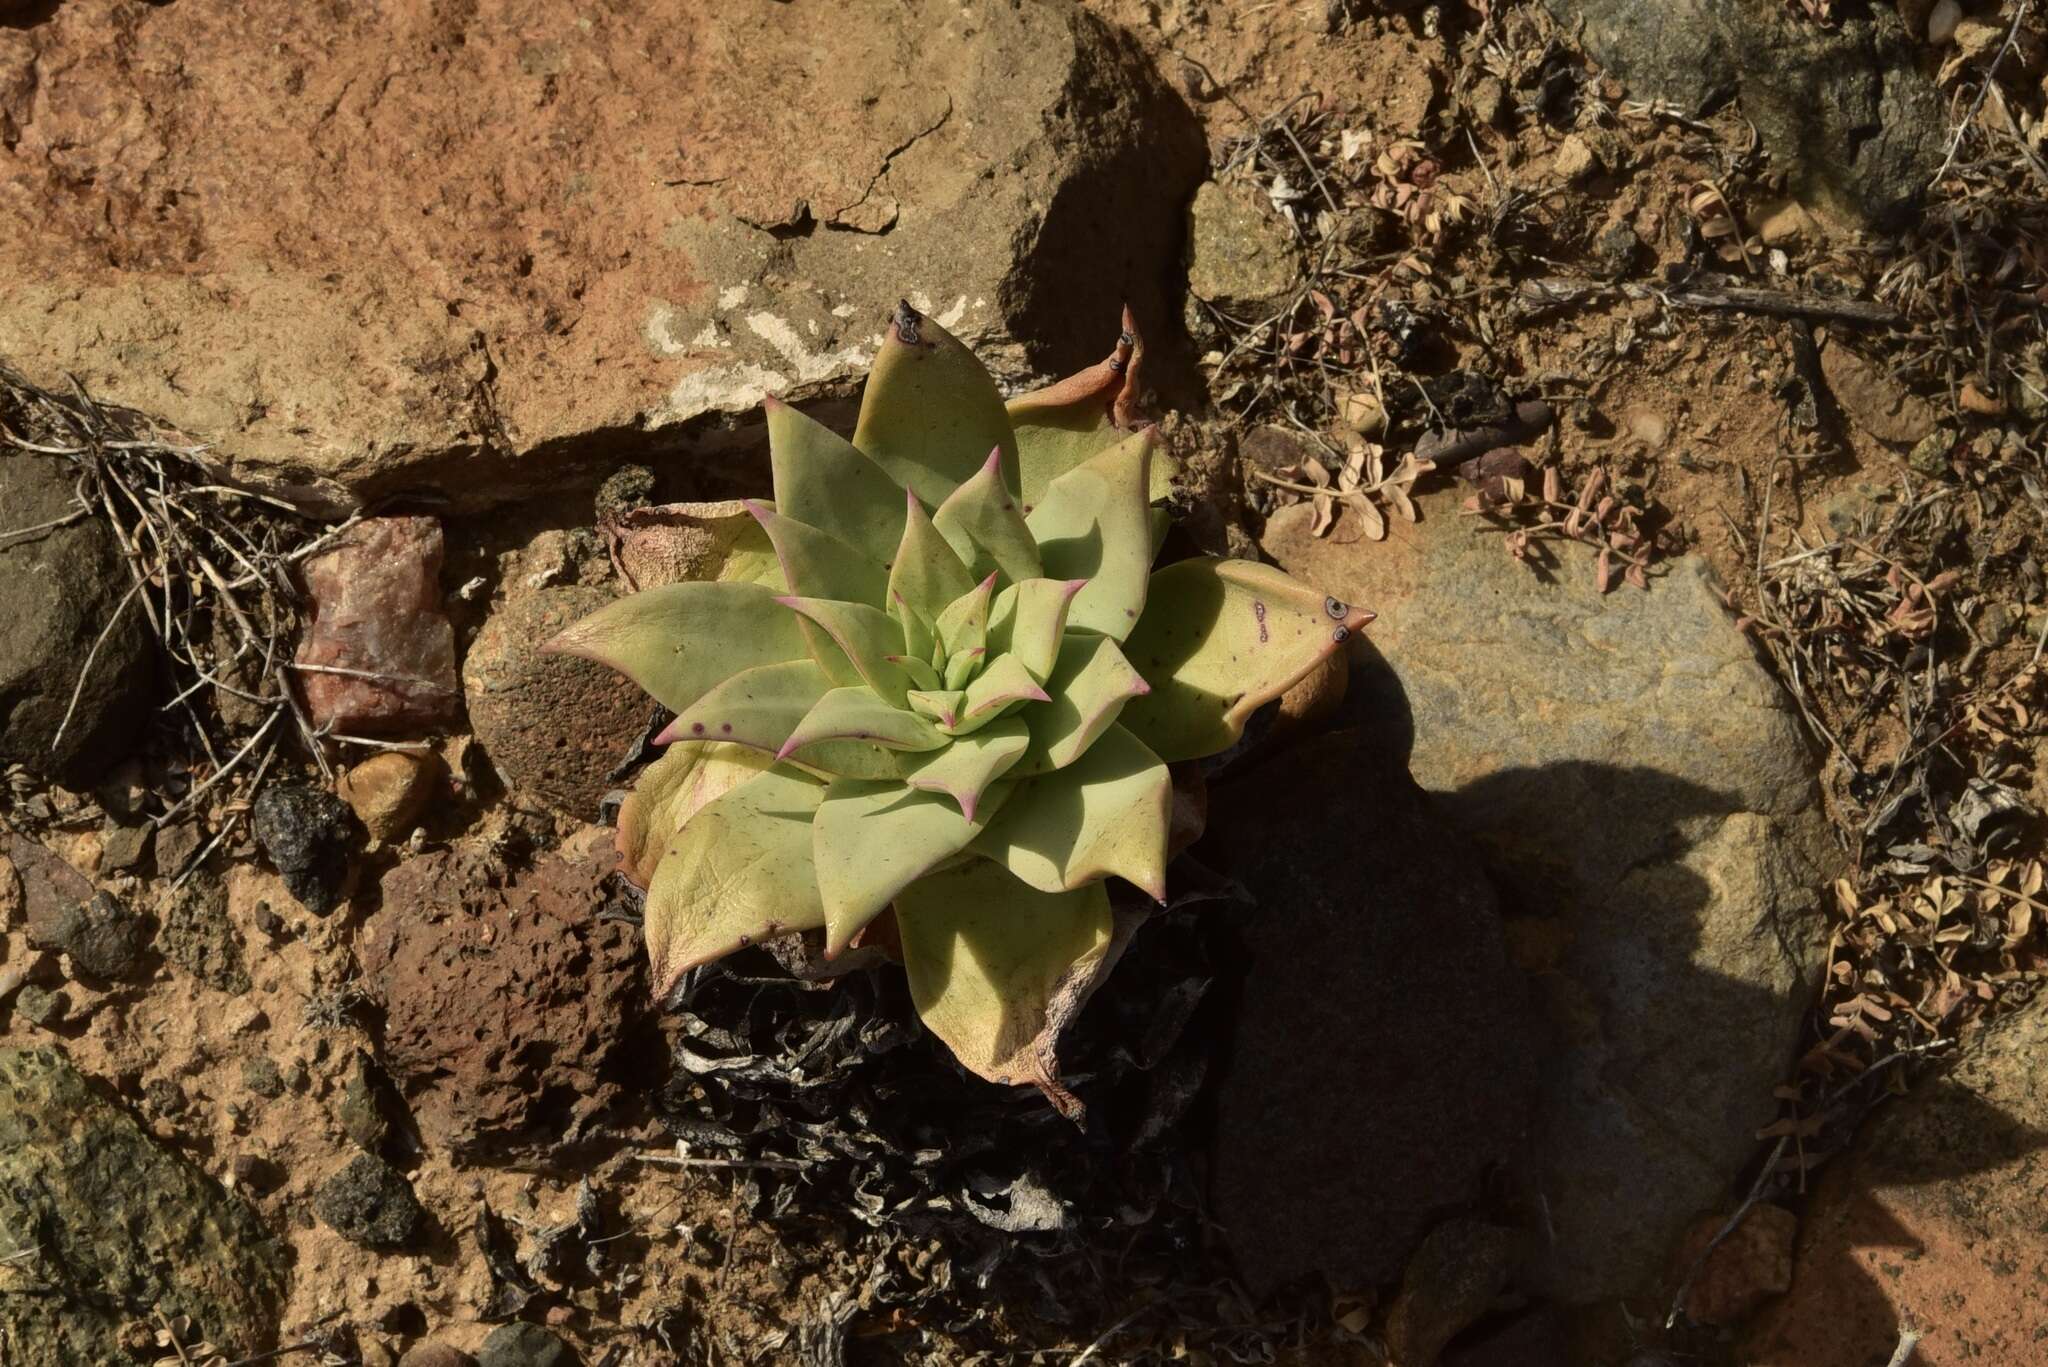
<point>1775,303</point>
<point>85,670</point>
<point>1756,1190</point>
<point>223,771</point>
<point>228,826</point>
<point>23,533</point>
<point>1909,1339</point>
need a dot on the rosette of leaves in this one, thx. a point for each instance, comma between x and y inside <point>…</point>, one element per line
<point>944,694</point>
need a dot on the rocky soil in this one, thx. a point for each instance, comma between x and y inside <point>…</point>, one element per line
<point>1628,955</point>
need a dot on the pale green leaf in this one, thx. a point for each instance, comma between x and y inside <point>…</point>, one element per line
<point>1218,639</point>
<point>922,675</point>
<point>942,705</point>
<point>1003,684</point>
<point>1029,620</point>
<point>817,564</point>
<point>756,707</point>
<point>1089,686</point>
<point>997,969</point>
<point>670,791</point>
<point>870,840</point>
<point>1096,524</point>
<point>982,524</point>
<point>678,640</point>
<point>737,873</point>
<point>857,714</point>
<point>1105,814</point>
<point>865,636</point>
<point>963,624</point>
<point>965,769</point>
<point>961,666</point>
<point>930,413</point>
<point>823,479</point>
<point>926,574</point>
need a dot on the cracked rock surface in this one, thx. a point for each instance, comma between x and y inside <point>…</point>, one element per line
<point>219,216</point>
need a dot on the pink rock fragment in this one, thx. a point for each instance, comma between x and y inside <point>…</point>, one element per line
<point>379,653</point>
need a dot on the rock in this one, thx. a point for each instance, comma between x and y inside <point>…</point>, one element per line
<point>1575,158</point>
<point>308,836</point>
<point>1644,795</point>
<point>49,887</point>
<point>58,590</point>
<point>596,268</point>
<point>624,489</point>
<point>525,1345</point>
<point>1875,399</point>
<point>511,1012</point>
<point>10,894</point>
<point>103,938</point>
<point>369,1202</point>
<point>366,1105</point>
<point>1382,1042</point>
<point>387,790</point>
<point>1751,1265</point>
<point>1942,21</point>
<point>124,848</point>
<point>555,726</point>
<point>198,937</point>
<point>1787,224</point>
<point>375,605</point>
<point>1242,257</point>
<point>256,1174</point>
<point>1844,108</point>
<point>1617,252</point>
<point>122,1223</point>
<point>435,1355</point>
<point>41,1006</point>
<point>263,1077</point>
<point>1452,1281</point>
<point>1933,1219</point>
<point>176,845</point>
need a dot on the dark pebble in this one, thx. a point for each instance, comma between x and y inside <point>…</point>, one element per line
<point>308,834</point>
<point>369,1202</point>
<point>525,1345</point>
<point>103,937</point>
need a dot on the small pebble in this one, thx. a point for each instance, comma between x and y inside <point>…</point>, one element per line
<point>1942,21</point>
<point>524,1345</point>
<point>435,1355</point>
<point>40,1006</point>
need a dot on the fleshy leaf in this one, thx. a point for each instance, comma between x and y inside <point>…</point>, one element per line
<point>737,873</point>
<point>670,791</point>
<point>1089,687</point>
<point>942,705</point>
<point>871,840</point>
<point>756,707</point>
<point>1218,639</point>
<point>930,411</point>
<point>1104,814</point>
<point>679,640</point>
<point>823,479</point>
<point>963,625</point>
<point>919,639</point>
<point>817,564</point>
<point>922,675</point>
<point>962,666</point>
<point>926,574</point>
<point>857,714</point>
<point>1004,682</point>
<point>1029,620</point>
<point>865,636</point>
<point>964,769</point>
<point>997,968</point>
<point>980,521</point>
<point>1096,524</point>
<point>1070,422</point>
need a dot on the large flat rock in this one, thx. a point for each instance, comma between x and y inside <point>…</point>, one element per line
<point>479,249</point>
<point>1646,803</point>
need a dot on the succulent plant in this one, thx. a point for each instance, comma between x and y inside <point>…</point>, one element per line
<point>947,688</point>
